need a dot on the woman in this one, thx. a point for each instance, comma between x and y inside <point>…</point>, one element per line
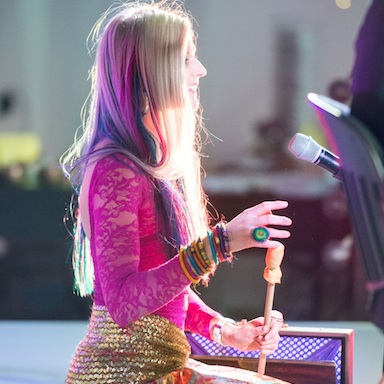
<point>142,235</point>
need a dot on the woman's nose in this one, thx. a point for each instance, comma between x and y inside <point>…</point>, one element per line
<point>200,69</point>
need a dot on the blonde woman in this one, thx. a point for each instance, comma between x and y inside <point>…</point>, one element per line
<point>142,233</point>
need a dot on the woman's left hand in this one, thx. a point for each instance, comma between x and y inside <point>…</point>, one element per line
<point>254,335</point>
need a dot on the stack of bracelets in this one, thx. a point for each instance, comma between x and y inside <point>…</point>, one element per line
<point>195,261</point>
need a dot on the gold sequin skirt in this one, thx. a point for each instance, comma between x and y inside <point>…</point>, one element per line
<point>145,351</point>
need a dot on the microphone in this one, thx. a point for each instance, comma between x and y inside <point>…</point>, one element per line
<point>305,148</point>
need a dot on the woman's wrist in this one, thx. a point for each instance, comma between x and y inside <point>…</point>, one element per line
<point>219,332</point>
<point>200,258</point>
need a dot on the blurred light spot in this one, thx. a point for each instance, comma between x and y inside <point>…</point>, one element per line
<point>343,4</point>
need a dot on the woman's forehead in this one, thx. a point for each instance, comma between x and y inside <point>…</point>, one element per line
<point>191,47</point>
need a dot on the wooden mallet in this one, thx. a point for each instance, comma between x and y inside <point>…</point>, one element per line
<point>272,274</point>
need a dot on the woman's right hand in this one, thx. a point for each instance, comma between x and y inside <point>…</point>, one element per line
<point>261,215</point>
<point>254,335</point>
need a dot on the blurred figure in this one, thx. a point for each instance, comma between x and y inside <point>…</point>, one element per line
<point>368,102</point>
<point>368,73</point>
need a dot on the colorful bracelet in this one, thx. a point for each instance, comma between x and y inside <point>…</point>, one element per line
<point>184,267</point>
<point>196,263</point>
<point>204,262</point>
<point>207,259</point>
<point>225,240</point>
<point>212,245</point>
<point>219,243</point>
<point>191,262</point>
<point>197,258</point>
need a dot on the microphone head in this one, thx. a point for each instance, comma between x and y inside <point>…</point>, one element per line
<point>304,147</point>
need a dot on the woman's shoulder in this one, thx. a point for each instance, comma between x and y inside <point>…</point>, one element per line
<point>117,175</point>
<point>119,163</point>
<point>119,160</point>
<point>107,156</point>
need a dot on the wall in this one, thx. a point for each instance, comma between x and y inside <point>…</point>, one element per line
<point>44,63</point>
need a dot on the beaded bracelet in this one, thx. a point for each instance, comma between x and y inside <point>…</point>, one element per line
<point>203,260</point>
<point>193,255</point>
<point>191,262</point>
<point>224,240</point>
<point>184,267</point>
<point>196,263</point>
<point>218,241</point>
<point>212,245</point>
<point>201,248</point>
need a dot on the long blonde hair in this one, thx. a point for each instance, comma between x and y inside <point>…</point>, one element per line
<point>140,55</point>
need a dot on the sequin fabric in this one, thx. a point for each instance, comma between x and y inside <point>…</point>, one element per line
<point>147,350</point>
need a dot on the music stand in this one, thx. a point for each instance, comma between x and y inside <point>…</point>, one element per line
<point>362,174</point>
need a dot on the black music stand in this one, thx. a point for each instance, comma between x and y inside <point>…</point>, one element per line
<point>362,174</point>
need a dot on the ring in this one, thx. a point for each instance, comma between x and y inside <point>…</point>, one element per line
<point>260,234</point>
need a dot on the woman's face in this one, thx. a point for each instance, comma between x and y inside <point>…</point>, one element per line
<point>194,70</point>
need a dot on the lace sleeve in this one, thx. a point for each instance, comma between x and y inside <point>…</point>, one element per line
<point>199,315</point>
<point>118,207</point>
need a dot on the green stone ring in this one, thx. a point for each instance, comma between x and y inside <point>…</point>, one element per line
<point>260,234</point>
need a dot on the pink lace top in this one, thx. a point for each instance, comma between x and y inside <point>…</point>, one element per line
<point>132,275</point>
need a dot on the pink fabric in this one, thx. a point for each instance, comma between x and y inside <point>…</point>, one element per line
<point>132,276</point>
<point>198,316</point>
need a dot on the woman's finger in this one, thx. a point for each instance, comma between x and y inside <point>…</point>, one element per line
<point>267,206</point>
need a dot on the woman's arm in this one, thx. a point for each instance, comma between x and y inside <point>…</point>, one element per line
<point>245,335</point>
<point>199,316</point>
<point>116,195</point>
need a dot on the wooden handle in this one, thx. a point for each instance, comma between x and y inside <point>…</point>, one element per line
<point>267,321</point>
<point>272,274</point>
<point>273,260</point>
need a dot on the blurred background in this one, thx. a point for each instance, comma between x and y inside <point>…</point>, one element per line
<point>262,58</point>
